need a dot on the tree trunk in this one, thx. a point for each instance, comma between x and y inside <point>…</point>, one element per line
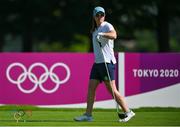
<point>27,30</point>
<point>1,41</point>
<point>27,39</point>
<point>163,28</point>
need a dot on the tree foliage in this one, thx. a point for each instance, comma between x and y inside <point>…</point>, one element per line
<point>60,20</point>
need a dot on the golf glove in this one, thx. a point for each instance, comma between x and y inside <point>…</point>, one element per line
<point>101,38</point>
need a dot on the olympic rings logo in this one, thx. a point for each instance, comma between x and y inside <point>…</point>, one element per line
<point>27,73</point>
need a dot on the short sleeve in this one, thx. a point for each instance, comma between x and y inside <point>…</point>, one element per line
<point>109,27</point>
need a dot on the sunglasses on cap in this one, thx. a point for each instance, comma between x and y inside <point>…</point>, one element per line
<point>101,14</point>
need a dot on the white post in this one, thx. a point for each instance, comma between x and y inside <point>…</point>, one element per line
<point>121,73</point>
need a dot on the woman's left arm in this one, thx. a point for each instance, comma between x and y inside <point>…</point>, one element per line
<point>110,35</point>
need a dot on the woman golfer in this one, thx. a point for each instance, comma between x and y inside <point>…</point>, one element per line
<point>103,35</point>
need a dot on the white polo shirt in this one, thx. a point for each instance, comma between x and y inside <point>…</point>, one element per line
<point>107,46</point>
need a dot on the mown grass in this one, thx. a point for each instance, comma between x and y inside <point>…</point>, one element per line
<point>102,117</point>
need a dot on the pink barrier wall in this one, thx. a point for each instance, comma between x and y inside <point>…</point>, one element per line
<point>145,72</point>
<point>46,78</point>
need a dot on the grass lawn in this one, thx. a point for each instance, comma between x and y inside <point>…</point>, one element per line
<point>102,117</point>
